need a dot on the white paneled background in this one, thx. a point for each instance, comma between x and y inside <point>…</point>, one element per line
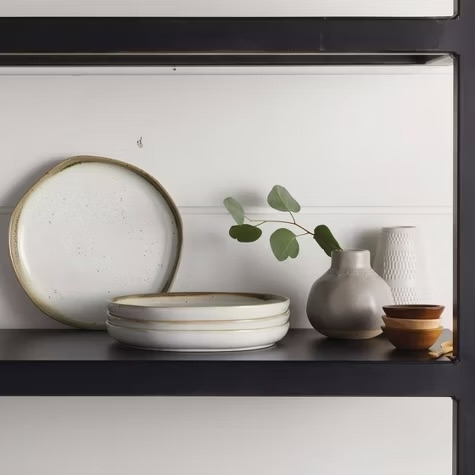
<point>218,8</point>
<point>360,148</point>
<point>224,436</point>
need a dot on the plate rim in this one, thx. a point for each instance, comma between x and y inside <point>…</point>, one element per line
<point>212,332</point>
<point>13,247</point>
<point>263,296</point>
<point>184,322</point>
<point>266,305</point>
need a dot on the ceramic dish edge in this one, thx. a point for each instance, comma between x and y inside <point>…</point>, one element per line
<point>14,221</point>
<point>203,325</point>
<point>190,341</point>
<point>276,305</point>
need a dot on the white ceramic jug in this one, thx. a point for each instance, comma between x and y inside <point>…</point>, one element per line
<point>347,301</point>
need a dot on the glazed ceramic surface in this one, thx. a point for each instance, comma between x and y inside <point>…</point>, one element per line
<point>398,261</point>
<point>228,340</point>
<point>346,302</point>
<point>202,325</point>
<point>198,306</point>
<point>411,324</point>
<point>90,229</point>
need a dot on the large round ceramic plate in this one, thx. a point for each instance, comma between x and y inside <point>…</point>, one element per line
<point>90,229</point>
<point>227,340</point>
<point>197,306</point>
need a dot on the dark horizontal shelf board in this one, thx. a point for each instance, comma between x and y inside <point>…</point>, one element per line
<point>71,362</point>
<point>298,345</point>
<point>139,60</point>
<point>291,35</point>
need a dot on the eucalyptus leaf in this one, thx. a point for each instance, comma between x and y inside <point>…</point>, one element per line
<point>325,239</point>
<point>235,209</point>
<point>284,244</point>
<point>245,232</point>
<point>280,199</point>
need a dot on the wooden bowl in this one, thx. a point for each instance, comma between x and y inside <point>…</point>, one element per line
<point>414,312</point>
<point>412,339</point>
<point>411,324</point>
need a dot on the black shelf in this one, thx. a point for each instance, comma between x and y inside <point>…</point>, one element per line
<point>117,35</point>
<point>221,59</point>
<point>73,362</point>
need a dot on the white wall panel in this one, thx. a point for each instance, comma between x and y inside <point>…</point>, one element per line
<point>333,139</point>
<point>225,436</point>
<point>360,148</point>
<point>227,8</point>
<point>213,261</point>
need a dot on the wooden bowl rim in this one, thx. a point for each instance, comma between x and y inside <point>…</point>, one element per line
<point>415,306</point>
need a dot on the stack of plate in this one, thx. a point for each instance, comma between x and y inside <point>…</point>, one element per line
<point>199,321</point>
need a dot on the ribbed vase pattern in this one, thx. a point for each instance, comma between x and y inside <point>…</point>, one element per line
<point>398,262</point>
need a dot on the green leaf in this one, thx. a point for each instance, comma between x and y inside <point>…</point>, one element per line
<point>325,239</point>
<point>284,244</point>
<point>245,233</point>
<point>280,199</point>
<point>235,209</point>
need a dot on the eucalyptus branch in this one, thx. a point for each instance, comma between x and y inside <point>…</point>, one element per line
<point>283,241</point>
<point>258,224</point>
<point>278,221</point>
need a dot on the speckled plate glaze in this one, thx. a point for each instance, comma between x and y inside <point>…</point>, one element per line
<point>90,229</point>
<point>198,306</point>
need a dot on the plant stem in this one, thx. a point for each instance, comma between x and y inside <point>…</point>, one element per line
<point>279,221</point>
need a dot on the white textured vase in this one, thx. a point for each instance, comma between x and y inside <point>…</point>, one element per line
<point>398,261</point>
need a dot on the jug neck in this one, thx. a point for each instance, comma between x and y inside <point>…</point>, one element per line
<point>351,259</point>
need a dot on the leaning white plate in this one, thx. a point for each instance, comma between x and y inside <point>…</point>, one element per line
<point>227,340</point>
<point>198,306</point>
<point>203,325</point>
<point>88,230</point>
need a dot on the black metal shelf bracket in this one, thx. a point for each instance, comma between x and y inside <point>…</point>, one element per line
<point>299,41</point>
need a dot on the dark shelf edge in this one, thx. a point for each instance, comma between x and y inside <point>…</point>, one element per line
<point>292,34</point>
<point>220,59</point>
<point>222,378</point>
<point>85,363</point>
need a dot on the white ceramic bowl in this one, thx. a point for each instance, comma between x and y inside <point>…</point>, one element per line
<point>198,306</point>
<point>226,340</point>
<point>411,323</point>
<point>201,325</point>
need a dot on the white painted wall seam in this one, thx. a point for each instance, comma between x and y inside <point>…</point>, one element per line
<point>312,210</point>
<point>370,70</point>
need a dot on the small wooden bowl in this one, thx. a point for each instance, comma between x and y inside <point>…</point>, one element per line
<point>411,324</point>
<point>414,312</point>
<point>412,339</point>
